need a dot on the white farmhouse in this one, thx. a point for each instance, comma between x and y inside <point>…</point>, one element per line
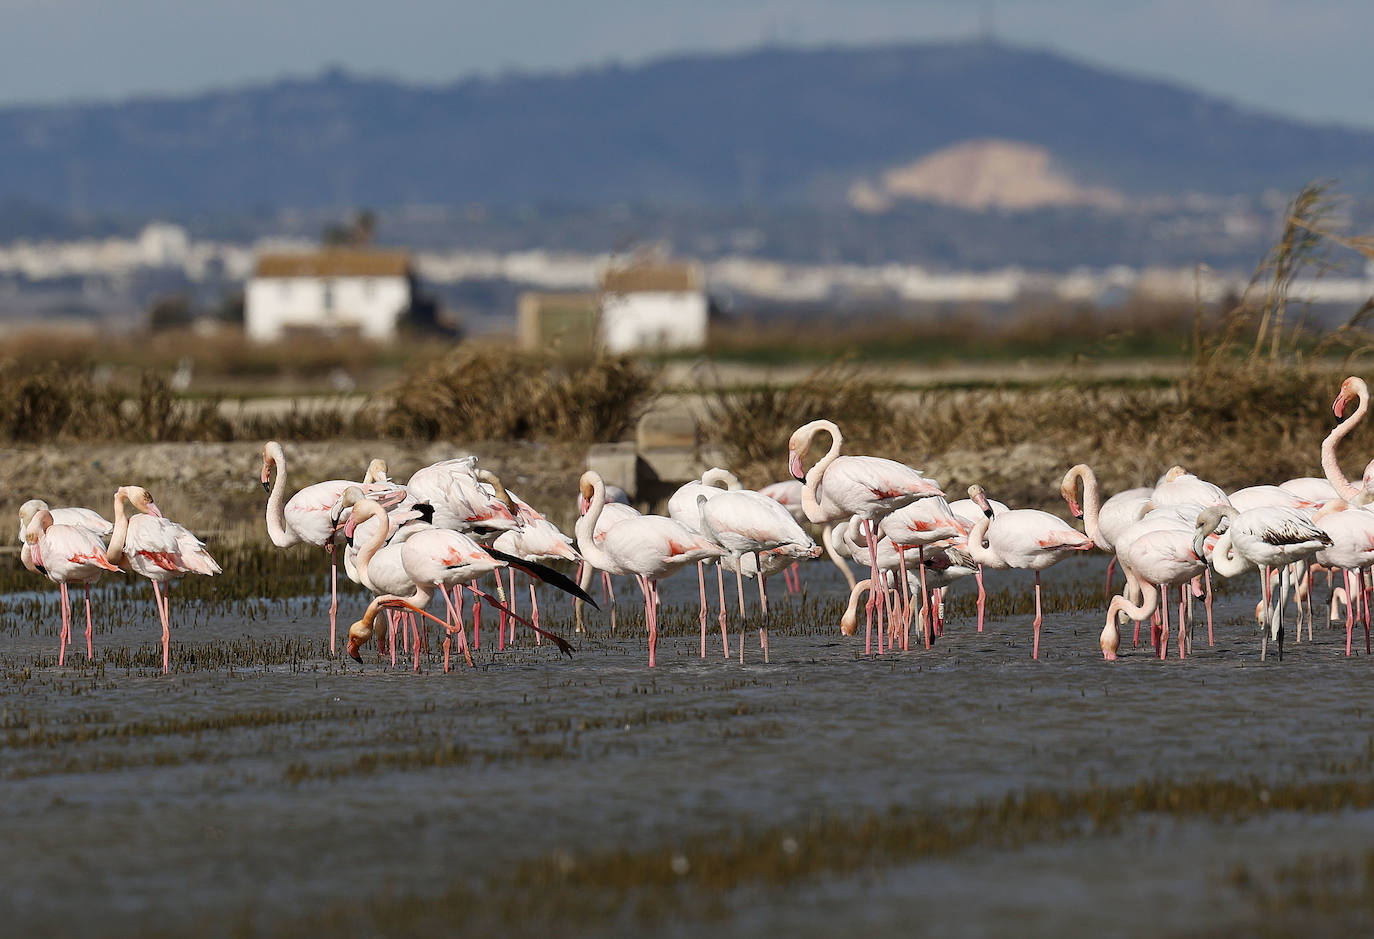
<point>332,291</point>
<point>653,306</point>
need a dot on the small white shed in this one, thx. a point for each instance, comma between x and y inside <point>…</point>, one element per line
<point>331,291</point>
<point>653,306</point>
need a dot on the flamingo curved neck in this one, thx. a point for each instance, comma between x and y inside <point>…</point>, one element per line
<point>585,528</point>
<point>810,505</point>
<point>720,478</point>
<point>1330,463</point>
<point>115,550</point>
<point>282,536</point>
<point>362,511</point>
<point>980,552</point>
<point>1092,500</point>
<point>1225,560</point>
<point>1149,602</point>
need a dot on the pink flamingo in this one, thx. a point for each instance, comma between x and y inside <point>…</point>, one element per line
<point>1025,539</point>
<point>1351,530</point>
<point>750,523</point>
<point>308,515</point>
<point>864,486</point>
<point>465,498</point>
<point>1178,485</point>
<point>156,548</point>
<point>919,525</point>
<point>611,514</point>
<point>682,508</point>
<point>1103,521</point>
<point>67,554</point>
<point>89,519</point>
<point>650,547</point>
<point>1266,538</point>
<point>1164,557</point>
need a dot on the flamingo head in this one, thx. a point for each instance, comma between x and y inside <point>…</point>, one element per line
<point>358,634</point>
<point>376,472</point>
<point>979,497</point>
<point>271,456</point>
<point>1349,392</point>
<point>142,500</point>
<point>1174,472</point>
<point>1068,491</point>
<point>586,491</point>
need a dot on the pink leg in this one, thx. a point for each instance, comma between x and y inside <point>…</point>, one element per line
<point>874,595</point>
<point>720,591</point>
<point>166,628</point>
<point>1035,649</point>
<point>925,597</point>
<point>610,591</point>
<point>90,628</point>
<point>391,629</point>
<point>64,636</point>
<point>1349,611</point>
<point>982,596</point>
<point>1207,580</point>
<point>333,603</point>
<point>1164,631</point>
<point>510,635</point>
<point>1364,605</point>
<point>1182,620</point>
<point>701,585</point>
<point>477,623</point>
<point>1111,566</point>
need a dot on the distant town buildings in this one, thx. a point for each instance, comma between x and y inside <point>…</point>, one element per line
<point>336,290</point>
<point>641,306</point>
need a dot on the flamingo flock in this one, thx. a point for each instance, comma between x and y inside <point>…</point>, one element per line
<point>454,524</point>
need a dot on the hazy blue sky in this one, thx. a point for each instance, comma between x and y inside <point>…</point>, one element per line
<point>1306,58</point>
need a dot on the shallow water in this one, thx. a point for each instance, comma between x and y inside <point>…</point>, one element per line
<point>255,793</point>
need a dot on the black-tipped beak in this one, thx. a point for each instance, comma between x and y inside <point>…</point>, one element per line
<point>800,479</point>
<point>267,488</point>
<point>353,654</point>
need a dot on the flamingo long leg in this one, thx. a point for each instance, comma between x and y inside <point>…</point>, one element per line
<point>720,590</point>
<point>166,628</point>
<point>63,636</point>
<point>1035,649</point>
<point>701,589</point>
<point>333,603</point>
<point>90,628</point>
<point>1164,633</point>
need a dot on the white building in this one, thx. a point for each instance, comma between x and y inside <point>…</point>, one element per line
<point>649,306</point>
<point>331,291</point>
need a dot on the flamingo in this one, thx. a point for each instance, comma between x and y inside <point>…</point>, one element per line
<point>1179,517</point>
<point>67,554</point>
<point>650,547</point>
<point>682,507</point>
<point>750,523</point>
<point>465,498</point>
<point>1164,557</point>
<point>1103,521</point>
<point>1351,551</point>
<point>156,548</point>
<point>89,519</point>
<point>923,523</point>
<point>537,540</point>
<point>308,515</point>
<point>1178,485</point>
<point>1311,488</point>
<point>1353,387</point>
<point>864,486</point>
<point>1025,539</point>
<point>1266,538</point>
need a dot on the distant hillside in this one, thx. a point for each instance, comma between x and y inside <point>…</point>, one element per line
<point>768,126</point>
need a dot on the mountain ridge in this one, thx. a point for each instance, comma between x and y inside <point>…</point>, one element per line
<point>771,125</point>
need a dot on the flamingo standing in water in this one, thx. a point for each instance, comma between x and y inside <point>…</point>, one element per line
<point>1351,551</point>
<point>682,508</point>
<point>67,554</point>
<point>919,525</point>
<point>788,494</point>
<point>837,487</point>
<point>650,547</point>
<point>1025,539</point>
<point>308,516</point>
<point>1266,538</point>
<point>156,548</point>
<point>1163,557</point>
<point>750,523</point>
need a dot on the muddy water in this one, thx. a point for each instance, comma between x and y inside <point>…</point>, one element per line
<point>283,783</point>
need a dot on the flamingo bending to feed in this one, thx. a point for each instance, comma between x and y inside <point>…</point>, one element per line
<point>1025,539</point>
<point>919,525</point>
<point>1266,538</point>
<point>837,487</point>
<point>650,547</point>
<point>308,515</point>
<point>67,554</point>
<point>1154,560</point>
<point>946,566</point>
<point>156,548</point>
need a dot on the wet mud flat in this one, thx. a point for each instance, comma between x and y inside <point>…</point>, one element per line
<point>263,788</point>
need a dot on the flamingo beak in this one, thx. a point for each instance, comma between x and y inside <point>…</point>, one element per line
<point>152,509</point>
<point>1075,509</point>
<point>582,504</point>
<point>794,465</point>
<point>1338,406</point>
<point>353,651</point>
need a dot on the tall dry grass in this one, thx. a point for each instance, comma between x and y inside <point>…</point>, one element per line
<point>494,394</point>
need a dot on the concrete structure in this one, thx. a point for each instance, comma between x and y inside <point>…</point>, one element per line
<point>330,291</point>
<point>561,323</point>
<point>652,306</point>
